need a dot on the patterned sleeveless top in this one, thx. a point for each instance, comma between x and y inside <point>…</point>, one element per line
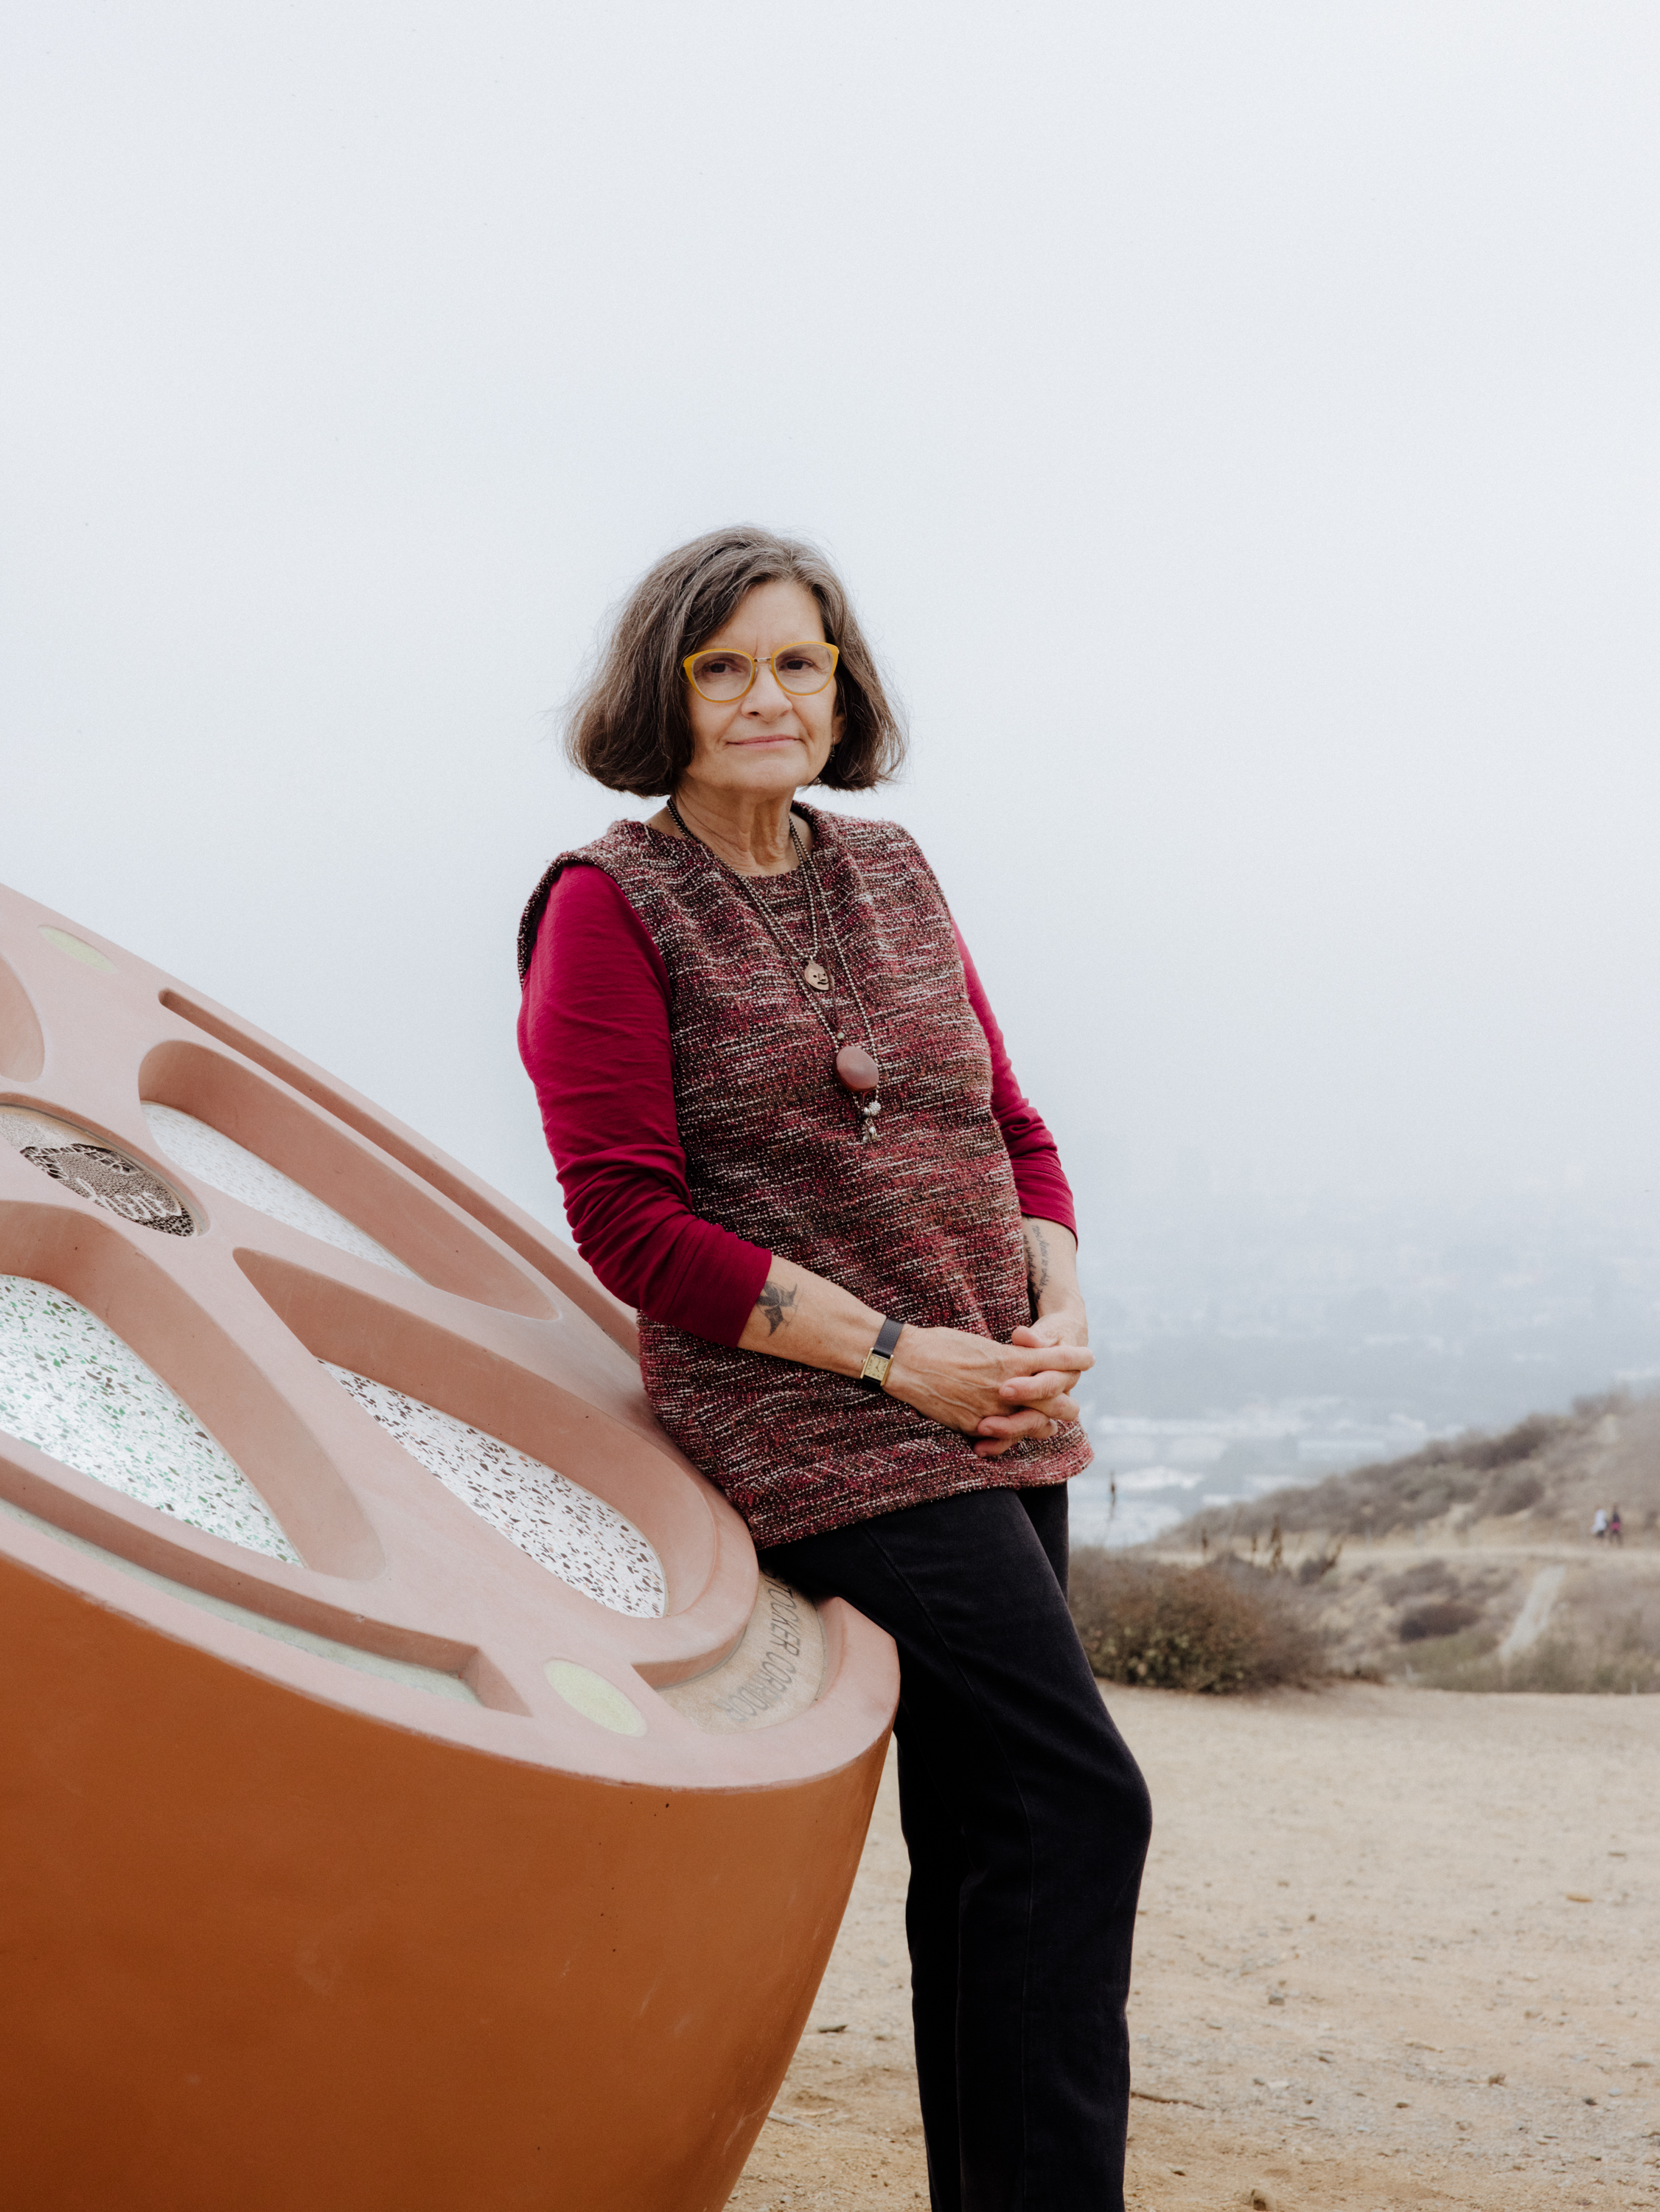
<point>923,1223</point>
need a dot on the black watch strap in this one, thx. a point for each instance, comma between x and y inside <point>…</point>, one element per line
<point>880,1358</point>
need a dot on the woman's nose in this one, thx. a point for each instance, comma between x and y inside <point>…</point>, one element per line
<point>766,695</point>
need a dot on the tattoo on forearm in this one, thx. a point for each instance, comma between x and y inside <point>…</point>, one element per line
<point>775,1302</point>
<point>1037,1260</point>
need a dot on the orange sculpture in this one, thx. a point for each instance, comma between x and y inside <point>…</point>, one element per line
<point>414,1798</point>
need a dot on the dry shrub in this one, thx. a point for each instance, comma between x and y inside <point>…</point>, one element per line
<point>1524,1440</point>
<point>1442,1616</point>
<point>1514,1491</point>
<point>1318,1565</point>
<point>1223,1627</point>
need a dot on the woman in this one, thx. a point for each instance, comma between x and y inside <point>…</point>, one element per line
<point>788,1133</point>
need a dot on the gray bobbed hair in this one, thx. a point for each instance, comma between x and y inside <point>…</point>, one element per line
<point>628,726</point>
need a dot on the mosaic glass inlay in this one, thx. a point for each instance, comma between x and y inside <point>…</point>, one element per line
<point>95,1169</point>
<point>568,1530</point>
<point>221,1162</point>
<point>71,1387</point>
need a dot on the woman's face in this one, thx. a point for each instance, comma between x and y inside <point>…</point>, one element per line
<point>769,742</point>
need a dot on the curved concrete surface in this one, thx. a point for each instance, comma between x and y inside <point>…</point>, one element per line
<point>413,1797</point>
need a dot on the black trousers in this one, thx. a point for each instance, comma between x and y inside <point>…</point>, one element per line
<point>1027,1822</point>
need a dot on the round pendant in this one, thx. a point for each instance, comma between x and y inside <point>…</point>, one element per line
<point>855,1071</point>
<point>817,975</point>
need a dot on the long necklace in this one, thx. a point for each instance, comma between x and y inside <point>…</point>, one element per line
<point>856,1069</point>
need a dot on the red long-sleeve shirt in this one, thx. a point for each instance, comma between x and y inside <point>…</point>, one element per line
<point>594,1034</point>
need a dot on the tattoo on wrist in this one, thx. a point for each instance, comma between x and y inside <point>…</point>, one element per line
<point>1037,1261</point>
<point>775,1302</point>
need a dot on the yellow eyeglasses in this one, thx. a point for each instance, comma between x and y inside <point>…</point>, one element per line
<point>800,669</point>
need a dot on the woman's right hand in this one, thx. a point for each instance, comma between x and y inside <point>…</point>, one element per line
<point>957,1379</point>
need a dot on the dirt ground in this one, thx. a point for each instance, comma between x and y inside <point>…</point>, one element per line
<point>1399,1947</point>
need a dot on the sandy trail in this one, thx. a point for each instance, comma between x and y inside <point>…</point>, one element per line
<point>1534,1618</point>
<point>1362,1908</point>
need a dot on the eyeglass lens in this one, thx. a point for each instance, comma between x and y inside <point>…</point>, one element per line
<point>801,669</point>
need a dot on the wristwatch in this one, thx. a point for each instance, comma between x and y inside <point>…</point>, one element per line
<point>880,1358</point>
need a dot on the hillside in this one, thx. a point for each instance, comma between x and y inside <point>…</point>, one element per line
<point>1470,1565</point>
<point>1542,1479</point>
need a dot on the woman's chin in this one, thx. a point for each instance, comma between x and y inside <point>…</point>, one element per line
<point>775,774</point>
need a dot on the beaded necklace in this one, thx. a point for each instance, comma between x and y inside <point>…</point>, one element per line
<point>856,1069</point>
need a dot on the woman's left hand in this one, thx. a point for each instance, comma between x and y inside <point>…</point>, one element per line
<point>1029,1396</point>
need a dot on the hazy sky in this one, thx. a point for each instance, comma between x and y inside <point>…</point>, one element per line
<point>1238,423</point>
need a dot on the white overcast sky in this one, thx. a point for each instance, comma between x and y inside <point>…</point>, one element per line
<point>1238,423</point>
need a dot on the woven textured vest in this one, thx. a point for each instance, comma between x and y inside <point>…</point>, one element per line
<point>923,1223</point>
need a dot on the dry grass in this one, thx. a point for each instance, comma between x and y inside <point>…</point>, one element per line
<point>1620,1654</point>
<point>1220,1628</point>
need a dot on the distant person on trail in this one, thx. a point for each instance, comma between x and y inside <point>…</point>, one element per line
<point>1599,1524</point>
<point>788,1134</point>
<point>1616,1531</point>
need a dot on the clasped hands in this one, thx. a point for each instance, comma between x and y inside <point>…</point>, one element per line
<point>998,1393</point>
